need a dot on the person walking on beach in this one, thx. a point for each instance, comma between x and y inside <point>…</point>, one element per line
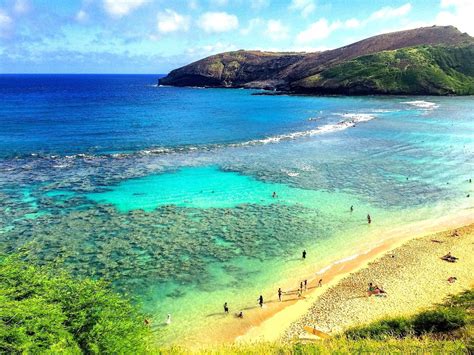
<point>260,301</point>
<point>280,292</point>
<point>226,308</point>
<point>301,286</point>
<point>304,254</point>
<point>305,285</point>
<point>369,220</point>
<point>320,283</point>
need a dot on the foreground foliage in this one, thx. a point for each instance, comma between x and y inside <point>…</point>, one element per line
<point>42,310</point>
<point>454,315</point>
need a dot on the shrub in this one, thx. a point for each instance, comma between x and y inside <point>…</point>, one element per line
<point>392,327</point>
<point>42,310</point>
<point>442,319</point>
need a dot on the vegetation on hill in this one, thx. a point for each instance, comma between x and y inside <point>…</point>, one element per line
<point>424,61</point>
<point>434,70</point>
<point>46,311</point>
<point>434,60</point>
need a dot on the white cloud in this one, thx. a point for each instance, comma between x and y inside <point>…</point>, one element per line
<point>352,23</point>
<point>119,8</point>
<point>207,50</point>
<point>390,12</point>
<point>276,30</point>
<point>253,24</point>
<point>218,22</point>
<point>6,24</point>
<point>82,16</point>
<point>171,21</point>
<point>318,30</point>
<point>306,7</point>
<point>21,6</point>
<point>457,13</point>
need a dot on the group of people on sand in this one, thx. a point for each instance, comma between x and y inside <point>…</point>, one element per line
<point>302,287</point>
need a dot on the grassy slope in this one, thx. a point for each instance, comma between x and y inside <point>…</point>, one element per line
<point>435,70</point>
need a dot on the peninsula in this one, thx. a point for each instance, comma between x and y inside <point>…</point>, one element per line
<point>435,60</point>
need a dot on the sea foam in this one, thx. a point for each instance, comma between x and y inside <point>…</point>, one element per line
<point>422,104</point>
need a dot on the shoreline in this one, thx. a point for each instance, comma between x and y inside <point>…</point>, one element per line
<point>271,322</point>
<point>277,327</point>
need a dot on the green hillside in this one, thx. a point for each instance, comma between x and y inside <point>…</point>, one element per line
<point>428,70</point>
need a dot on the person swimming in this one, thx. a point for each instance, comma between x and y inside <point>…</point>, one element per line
<point>274,195</point>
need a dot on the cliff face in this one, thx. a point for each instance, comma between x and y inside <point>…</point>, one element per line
<point>429,60</point>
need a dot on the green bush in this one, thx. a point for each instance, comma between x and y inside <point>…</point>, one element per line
<point>42,310</point>
<point>442,319</point>
<point>393,327</point>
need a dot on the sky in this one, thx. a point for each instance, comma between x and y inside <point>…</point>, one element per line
<point>156,36</point>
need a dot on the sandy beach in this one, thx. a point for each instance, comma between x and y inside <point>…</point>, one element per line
<point>413,275</point>
<point>341,302</point>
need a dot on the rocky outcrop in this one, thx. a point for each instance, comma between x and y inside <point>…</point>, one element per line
<point>381,64</point>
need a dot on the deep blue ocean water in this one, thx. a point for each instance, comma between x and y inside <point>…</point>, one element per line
<point>168,192</point>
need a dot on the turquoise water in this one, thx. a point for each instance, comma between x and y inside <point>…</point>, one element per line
<point>168,193</point>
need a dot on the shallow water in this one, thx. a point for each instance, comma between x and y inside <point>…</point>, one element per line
<point>167,192</point>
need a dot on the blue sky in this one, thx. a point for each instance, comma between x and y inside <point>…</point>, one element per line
<point>155,36</point>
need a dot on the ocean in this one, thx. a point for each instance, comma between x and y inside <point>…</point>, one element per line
<point>186,198</point>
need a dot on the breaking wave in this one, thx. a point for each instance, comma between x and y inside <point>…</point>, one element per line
<point>349,120</point>
<point>426,105</point>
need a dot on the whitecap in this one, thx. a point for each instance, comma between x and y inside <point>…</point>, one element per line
<point>422,104</point>
<point>350,121</point>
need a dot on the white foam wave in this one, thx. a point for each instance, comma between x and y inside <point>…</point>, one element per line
<point>351,119</point>
<point>422,104</point>
<point>340,261</point>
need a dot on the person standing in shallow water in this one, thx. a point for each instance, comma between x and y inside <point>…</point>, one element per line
<point>352,208</point>
<point>304,254</point>
<point>226,308</point>
<point>260,301</point>
<point>369,220</point>
<point>274,195</point>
